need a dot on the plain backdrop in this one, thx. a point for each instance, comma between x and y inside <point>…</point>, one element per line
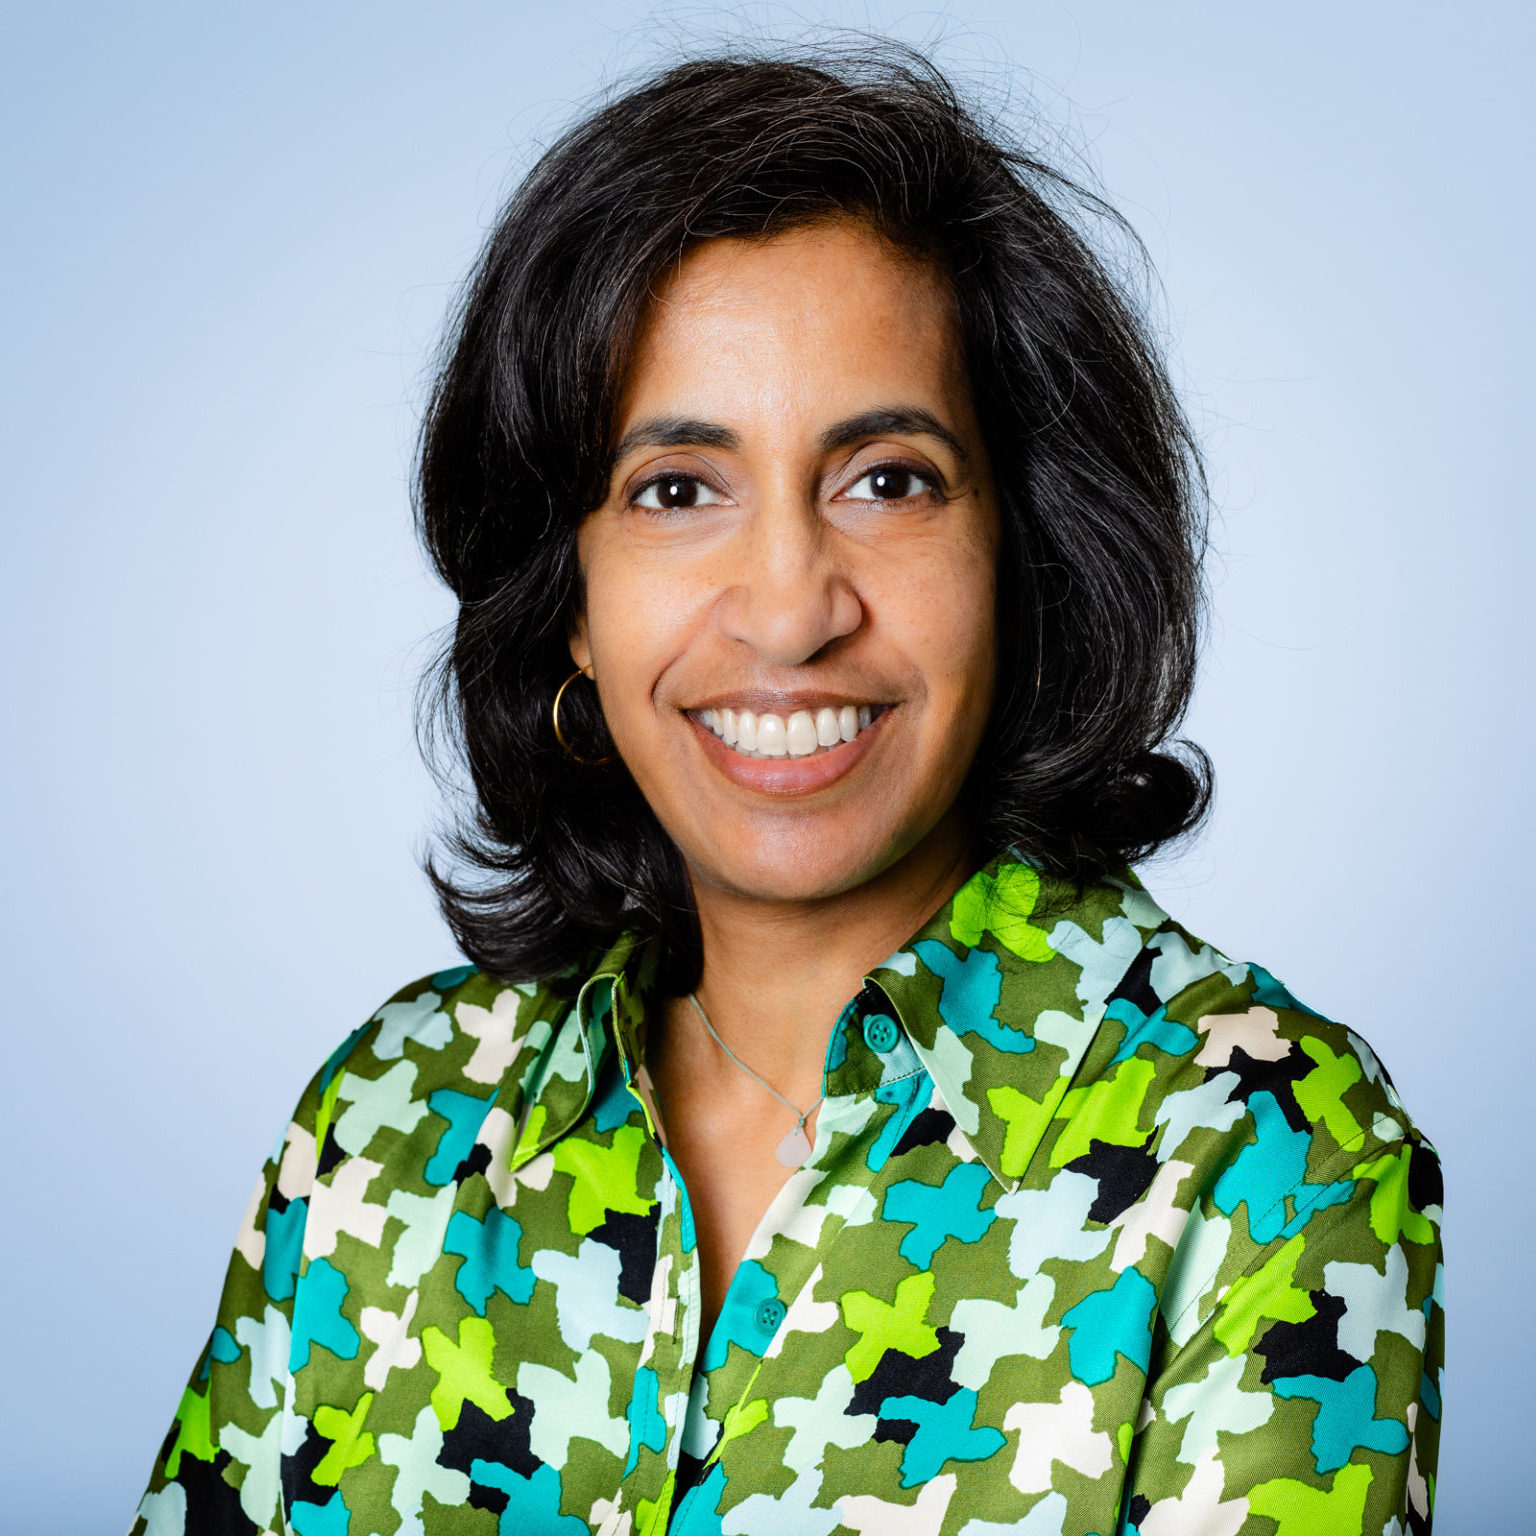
<point>231,235</point>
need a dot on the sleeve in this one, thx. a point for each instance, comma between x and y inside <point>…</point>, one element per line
<point>1305,1401</point>
<point>219,1467</point>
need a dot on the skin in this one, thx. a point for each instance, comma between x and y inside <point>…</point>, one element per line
<point>825,532</point>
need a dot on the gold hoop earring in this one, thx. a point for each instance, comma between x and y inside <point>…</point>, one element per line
<point>554,719</point>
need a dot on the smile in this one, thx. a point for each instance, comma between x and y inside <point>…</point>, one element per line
<point>805,733</point>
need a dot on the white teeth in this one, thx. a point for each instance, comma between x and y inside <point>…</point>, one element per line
<point>800,734</point>
<point>772,738</point>
<point>770,735</point>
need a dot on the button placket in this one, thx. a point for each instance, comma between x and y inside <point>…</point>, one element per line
<point>844,1200</point>
<point>669,1349</point>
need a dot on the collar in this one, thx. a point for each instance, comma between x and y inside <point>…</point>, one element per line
<point>608,1014</point>
<point>998,995</point>
<point>1003,989</point>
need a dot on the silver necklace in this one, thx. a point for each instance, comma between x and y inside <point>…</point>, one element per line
<point>796,1146</point>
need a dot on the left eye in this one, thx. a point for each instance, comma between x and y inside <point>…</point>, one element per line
<point>890,482</point>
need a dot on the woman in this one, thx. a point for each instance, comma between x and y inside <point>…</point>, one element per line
<point>831,1133</point>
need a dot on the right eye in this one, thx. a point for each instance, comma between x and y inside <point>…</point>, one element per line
<point>676,493</point>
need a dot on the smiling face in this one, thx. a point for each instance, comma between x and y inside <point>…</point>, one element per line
<point>789,606</point>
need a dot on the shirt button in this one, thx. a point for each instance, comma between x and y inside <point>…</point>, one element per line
<point>769,1315</point>
<point>879,1033</point>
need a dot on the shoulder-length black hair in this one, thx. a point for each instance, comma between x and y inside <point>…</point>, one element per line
<point>1098,479</point>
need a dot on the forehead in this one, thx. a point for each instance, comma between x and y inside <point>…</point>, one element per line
<point>820,313</point>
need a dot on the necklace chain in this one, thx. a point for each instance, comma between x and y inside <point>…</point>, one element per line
<point>801,1116</point>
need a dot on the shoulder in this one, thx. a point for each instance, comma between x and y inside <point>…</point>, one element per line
<point>1216,1027</point>
<point>435,1049</point>
<point>459,1024</point>
<point>1267,1112</point>
<point>1202,1049</point>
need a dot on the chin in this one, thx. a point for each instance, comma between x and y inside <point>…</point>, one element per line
<point>799,868</point>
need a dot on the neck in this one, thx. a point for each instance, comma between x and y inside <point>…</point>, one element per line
<point>777,974</point>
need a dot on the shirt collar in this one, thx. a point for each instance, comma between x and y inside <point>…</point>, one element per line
<point>998,995</point>
<point>608,1013</point>
<point>1003,989</point>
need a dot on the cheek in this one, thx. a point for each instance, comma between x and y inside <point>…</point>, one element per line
<point>946,617</point>
<point>615,625</point>
<point>637,623</point>
<point>974,601</point>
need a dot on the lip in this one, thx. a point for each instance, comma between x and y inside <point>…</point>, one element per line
<point>785,777</point>
<point>762,701</point>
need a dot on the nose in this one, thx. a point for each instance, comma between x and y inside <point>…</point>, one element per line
<point>789,596</point>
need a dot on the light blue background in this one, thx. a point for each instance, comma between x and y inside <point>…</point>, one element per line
<point>232,231</point>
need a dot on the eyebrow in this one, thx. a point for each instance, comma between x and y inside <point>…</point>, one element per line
<point>881,421</point>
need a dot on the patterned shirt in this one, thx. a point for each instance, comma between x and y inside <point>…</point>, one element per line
<point>1102,1233</point>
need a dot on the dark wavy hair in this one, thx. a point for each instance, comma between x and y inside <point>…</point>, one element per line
<point>1099,482</point>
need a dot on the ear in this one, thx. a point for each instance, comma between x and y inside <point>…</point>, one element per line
<point>581,651</point>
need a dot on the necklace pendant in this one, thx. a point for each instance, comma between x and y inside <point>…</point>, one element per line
<point>794,1149</point>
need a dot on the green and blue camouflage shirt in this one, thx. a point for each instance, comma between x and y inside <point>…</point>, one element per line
<point>1102,1233</point>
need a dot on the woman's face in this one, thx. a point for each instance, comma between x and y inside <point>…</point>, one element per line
<point>790,585</point>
